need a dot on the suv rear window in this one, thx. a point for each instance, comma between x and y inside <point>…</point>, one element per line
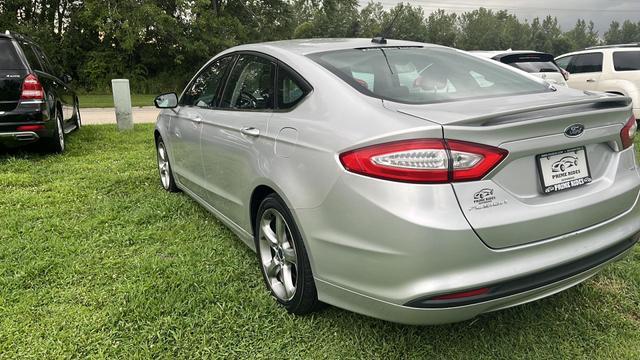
<point>9,59</point>
<point>416,75</point>
<point>626,60</point>
<point>531,63</point>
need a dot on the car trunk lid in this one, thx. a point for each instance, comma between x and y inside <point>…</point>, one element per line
<point>510,206</point>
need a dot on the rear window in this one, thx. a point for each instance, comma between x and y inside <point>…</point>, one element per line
<point>424,75</point>
<point>534,63</point>
<point>626,60</point>
<point>9,59</point>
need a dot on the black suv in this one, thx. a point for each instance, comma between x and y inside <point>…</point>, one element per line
<point>35,105</point>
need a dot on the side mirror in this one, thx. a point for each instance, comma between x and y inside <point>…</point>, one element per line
<point>166,101</point>
<point>67,79</point>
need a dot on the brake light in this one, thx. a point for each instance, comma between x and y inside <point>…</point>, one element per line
<point>424,161</point>
<point>30,128</point>
<point>32,88</point>
<point>462,295</point>
<point>628,132</point>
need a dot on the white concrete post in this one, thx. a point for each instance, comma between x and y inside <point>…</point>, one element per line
<point>122,102</point>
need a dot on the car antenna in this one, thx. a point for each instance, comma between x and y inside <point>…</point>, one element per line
<point>381,39</point>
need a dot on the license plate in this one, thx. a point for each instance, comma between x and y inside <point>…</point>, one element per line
<point>564,169</point>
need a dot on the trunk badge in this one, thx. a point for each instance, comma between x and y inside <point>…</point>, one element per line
<point>574,130</point>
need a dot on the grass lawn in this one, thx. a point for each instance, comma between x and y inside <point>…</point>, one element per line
<point>97,261</point>
<point>103,101</point>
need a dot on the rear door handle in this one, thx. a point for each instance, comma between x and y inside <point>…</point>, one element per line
<point>591,80</point>
<point>250,131</point>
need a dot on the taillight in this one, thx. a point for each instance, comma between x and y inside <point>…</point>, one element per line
<point>628,132</point>
<point>424,160</point>
<point>32,88</point>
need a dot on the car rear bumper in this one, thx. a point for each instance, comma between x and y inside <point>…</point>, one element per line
<point>370,306</point>
<point>376,246</point>
<point>18,138</point>
<point>11,135</point>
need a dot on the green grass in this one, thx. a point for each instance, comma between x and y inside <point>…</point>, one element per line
<point>97,261</point>
<point>105,101</point>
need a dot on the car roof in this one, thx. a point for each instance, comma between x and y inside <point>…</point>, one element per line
<point>310,46</point>
<point>600,50</point>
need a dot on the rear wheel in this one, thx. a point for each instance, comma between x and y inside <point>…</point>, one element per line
<point>56,144</point>
<point>164,168</point>
<point>283,258</point>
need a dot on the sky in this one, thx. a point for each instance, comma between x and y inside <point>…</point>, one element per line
<point>601,12</point>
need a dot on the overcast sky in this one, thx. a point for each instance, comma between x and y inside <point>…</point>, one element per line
<point>601,12</point>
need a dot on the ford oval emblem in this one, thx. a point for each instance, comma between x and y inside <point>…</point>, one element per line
<point>574,130</point>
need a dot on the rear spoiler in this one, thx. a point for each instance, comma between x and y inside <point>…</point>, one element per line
<point>491,119</point>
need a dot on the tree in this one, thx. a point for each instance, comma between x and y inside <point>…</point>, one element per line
<point>441,28</point>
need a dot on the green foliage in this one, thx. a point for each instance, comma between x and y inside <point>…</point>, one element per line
<point>158,44</point>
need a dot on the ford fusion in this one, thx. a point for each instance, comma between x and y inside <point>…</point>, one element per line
<point>409,182</point>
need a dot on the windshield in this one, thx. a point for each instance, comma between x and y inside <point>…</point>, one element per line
<point>424,75</point>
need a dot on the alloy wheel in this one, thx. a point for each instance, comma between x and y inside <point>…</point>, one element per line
<point>278,255</point>
<point>163,165</point>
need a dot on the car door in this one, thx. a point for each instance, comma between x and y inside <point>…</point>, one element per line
<point>185,126</point>
<point>585,71</point>
<point>233,141</point>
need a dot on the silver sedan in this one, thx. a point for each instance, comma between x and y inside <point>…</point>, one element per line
<point>406,181</point>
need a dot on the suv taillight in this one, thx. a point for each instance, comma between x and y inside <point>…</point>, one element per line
<point>32,88</point>
<point>426,161</point>
<point>628,132</point>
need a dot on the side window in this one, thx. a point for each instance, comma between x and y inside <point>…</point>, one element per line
<point>290,90</point>
<point>205,89</point>
<point>626,60</point>
<point>48,68</point>
<point>32,57</point>
<point>586,63</point>
<point>564,62</point>
<point>250,85</point>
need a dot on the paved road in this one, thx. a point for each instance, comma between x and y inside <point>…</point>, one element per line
<point>92,116</point>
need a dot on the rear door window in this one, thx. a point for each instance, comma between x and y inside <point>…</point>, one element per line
<point>626,60</point>
<point>9,59</point>
<point>586,63</point>
<point>250,84</point>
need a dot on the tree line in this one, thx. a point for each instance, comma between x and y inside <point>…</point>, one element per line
<point>158,44</point>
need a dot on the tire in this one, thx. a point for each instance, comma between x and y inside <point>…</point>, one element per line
<point>77,117</point>
<point>165,171</point>
<point>56,144</point>
<point>283,259</point>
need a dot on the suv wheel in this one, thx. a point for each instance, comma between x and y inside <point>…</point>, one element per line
<point>56,144</point>
<point>76,115</point>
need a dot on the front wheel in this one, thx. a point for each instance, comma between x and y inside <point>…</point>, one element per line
<point>164,168</point>
<point>283,258</point>
<point>76,115</point>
